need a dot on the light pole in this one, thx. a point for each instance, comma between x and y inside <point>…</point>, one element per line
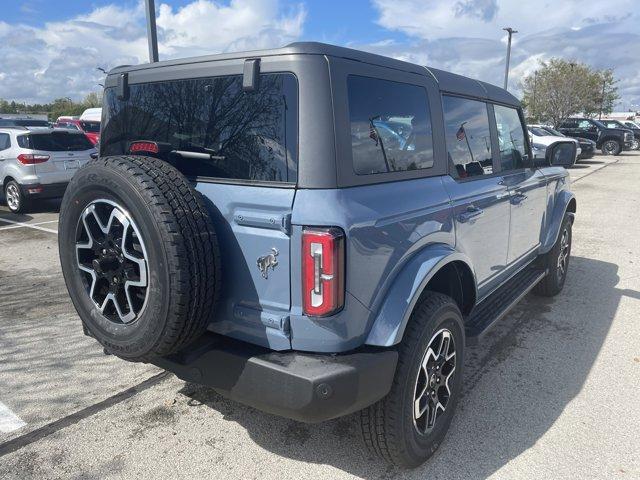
<point>510,31</point>
<point>152,34</point>
<point>604,83</point>
<point>533,106</point>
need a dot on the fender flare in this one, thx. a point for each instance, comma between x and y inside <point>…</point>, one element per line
<point>563,200</point>
<point>393,313</point>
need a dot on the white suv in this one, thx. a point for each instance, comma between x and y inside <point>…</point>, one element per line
<point>39,163</point>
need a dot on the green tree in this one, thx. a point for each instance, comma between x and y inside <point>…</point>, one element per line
<point>561,88</point>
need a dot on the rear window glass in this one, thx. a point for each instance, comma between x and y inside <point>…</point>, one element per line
<point>90,127</point>
<point>390,126</point>
<point>23,123</point>
<point>210,127</point>
<point>55,142</point>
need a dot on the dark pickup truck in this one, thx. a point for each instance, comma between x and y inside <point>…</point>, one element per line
<point>611,141</point>
<point>635,143</point>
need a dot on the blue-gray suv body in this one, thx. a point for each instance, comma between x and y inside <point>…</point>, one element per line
<point>313,231</point>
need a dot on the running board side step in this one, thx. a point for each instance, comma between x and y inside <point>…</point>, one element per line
<point>497,305</point>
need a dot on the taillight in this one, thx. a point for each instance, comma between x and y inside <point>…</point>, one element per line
<point>30,159</point>
<point>143,146</point>
<point>322,271</point>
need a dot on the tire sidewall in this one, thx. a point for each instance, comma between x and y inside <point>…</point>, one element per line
<point>614,152</point>
<point>21,199</point>
<point>137,338</point>
<point>420,446</point>
<point>566,225</point>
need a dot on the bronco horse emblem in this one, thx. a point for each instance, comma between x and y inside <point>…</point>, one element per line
<point>268,261</point>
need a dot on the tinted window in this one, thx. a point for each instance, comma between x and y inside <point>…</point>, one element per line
<point>510,138</point>
<point>390,126</point>
<point>468,136</point>
<point>586,124</point>
<point>569,124</point>
<point>209,127</point>
<point>5,141</point>
<point>90,127</point>
<point>23,123</point>
<point>55,142</point>
<point>540,132</point>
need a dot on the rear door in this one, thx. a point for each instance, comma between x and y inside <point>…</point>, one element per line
<point>240,151</point>
<point>479,197</point>
<point>526,184</point>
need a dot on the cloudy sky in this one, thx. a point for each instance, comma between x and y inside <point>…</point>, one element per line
<point>51,49</point>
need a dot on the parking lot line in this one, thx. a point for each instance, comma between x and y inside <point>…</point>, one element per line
<point>35,226</point>
<point>9,421</point>
<point>11,227</point>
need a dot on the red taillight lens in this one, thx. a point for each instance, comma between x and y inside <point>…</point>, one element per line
<point>30,159</point>
<point>322,271</point>
<point>147,147</point>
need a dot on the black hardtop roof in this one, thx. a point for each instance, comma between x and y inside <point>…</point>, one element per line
<point>448,82</point>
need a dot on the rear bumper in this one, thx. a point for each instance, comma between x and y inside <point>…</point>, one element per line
<point>302,386</point>
<point>44,190</point>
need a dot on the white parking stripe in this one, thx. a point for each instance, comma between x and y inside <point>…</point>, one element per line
<point>10,227</point>
<point>9,421</point>
<point>35,227</point>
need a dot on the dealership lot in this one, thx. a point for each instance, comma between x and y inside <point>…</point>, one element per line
<point>553,390</point>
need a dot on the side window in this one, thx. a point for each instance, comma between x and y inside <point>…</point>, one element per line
<point>569,124</point>
<point>468,136</point>
<point>584,124</point>
<point>390,126</point>
<point>5,141</point>
<point>510,138</point>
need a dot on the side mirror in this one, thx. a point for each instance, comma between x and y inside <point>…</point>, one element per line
<point>561,154</point>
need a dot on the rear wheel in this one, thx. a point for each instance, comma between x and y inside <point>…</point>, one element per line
<point>611,147</point>
<point>408,425</point>
<point>635,144</point>
<point>15,197</point>
<point>139,256</point>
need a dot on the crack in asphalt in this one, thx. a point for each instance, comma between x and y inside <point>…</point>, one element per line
<point>53,427</point>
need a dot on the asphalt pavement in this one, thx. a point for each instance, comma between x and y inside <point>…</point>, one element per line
<point>553,392</point>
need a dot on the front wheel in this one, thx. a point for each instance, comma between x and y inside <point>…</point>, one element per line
<point>556,262</point>
<point>611,147</point>
<point>635,144</point>
<point>407,426</point>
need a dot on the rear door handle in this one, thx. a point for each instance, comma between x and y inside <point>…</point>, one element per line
<point>471,213</point>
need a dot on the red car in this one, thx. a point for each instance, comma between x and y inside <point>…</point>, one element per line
<point>90,128</point>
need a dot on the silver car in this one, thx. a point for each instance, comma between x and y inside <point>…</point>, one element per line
<point>38,163</point>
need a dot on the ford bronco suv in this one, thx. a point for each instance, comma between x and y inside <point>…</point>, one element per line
<point>313,231</point>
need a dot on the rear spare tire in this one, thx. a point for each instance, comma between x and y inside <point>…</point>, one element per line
<point>139,256</point>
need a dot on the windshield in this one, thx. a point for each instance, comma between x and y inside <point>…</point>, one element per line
<point>599,124</point>
<point>613,124</point>
<point>90,127</point>
<point>540,132</point>
<point>632,124</point>
<point>55,142</point>
<point>553,132</point>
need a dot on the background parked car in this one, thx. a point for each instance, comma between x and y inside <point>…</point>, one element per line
<point>23,122</point>
<point>611,141</point>
<point>90,128</point>
<point>38,163</point>
<point>635,143</point>
<point>587,147</point>
<point>92,114</point>
<point>541,139</point>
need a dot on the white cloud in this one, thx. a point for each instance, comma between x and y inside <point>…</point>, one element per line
<point>466,36</point>
<point>59,59</point>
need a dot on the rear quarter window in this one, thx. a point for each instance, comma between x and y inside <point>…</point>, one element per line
<point>210,127</point>
<point>390,126</point>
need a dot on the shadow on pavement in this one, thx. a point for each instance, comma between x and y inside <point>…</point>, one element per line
<point>517,384</point>
<point>49,205</point>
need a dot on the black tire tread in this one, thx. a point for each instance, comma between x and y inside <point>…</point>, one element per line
<point>191,246</point>
<point>374,421</point>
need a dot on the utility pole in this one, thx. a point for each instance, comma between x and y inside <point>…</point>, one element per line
<point>510,31</point>
<point>604,83</point>
<point>152,33</point>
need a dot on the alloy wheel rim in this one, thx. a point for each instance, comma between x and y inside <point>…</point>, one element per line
<point>610,146</point>
<point>112,259</point>
<point>432,391</point>
<point>13,197</point>
<point>563,255</point>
